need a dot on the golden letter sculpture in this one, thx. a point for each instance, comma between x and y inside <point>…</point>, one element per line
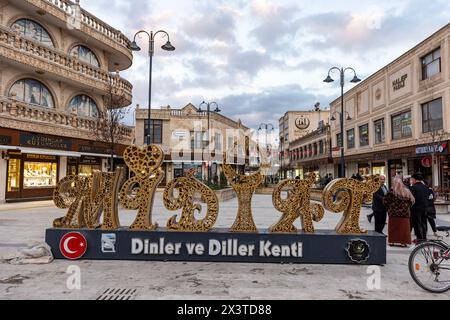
<point>72,192</point>
<point>87,198</point>
<point>244,186</point>
<point>298,203</point>
<point>138,192</point>
<point>187,187</point>
<point>350,195</point>
<point>104,197</point>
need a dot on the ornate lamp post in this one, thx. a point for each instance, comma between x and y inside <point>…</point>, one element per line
<point>208,111</point>
<point>267,127</point>
<point>151,49</point>
<point>355,79</point>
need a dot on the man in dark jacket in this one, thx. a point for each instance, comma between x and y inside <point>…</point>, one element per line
<point>379,211</point>
<point>419,209</point>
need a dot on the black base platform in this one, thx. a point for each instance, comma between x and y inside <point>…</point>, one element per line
<point>219,245</point>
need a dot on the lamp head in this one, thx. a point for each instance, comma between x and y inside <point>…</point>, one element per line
<point>134,46</point>
<point>217,109</point>
<point>348,118</point>
<point>168,46</point>
<point>333,118</point>
<point>355,79</point>
<point>328,79</point>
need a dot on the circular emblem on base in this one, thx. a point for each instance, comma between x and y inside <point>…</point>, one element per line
<point>73,245</point>
<point>358,250</point>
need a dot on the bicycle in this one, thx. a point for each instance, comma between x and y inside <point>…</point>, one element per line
<point>429,264</point>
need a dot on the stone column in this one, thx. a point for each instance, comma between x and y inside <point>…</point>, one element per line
<point>3,180</point>
<point>62,167</point>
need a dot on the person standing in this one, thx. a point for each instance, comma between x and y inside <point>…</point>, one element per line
<point>431,211</point>
<point>398,203</point>
<point>378,208</point>
<point>419,209</point>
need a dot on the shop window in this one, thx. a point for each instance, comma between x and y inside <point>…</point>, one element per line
<point>431,64</point>
<point>218,142</point>
<point>379,168</point>
<point>13,175</point>
<point>83,106</point>
<point>33,30</point>
<point>87,169</point>
<point>432,116</point>
<point>364,135</point>
<point>339,140</point>
<point>39,175</point>
<point>402,125</point>
<point>85,54</point>
<point>321,149</point>
<point>155,131</point>
<point>379,131</point>
<point>350,138</point>
<point>33,92</point>
<point>315,148</point>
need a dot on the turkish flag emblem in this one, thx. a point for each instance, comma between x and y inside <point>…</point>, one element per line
<point>73,245</point>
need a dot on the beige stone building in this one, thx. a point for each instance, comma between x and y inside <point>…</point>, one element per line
<point>292,126</point>
<point>183,135</point>
<point>398,115</point>
<point>311,153</point>
<point>58,63</point>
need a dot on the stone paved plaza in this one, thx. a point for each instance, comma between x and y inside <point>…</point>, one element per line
<point>21,224</point>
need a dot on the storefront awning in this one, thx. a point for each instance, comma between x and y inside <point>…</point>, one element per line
<point>55,152</point>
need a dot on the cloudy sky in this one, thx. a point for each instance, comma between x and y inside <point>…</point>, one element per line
<point>258,59</point>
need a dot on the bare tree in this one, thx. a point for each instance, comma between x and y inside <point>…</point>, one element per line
<point>110,128</point>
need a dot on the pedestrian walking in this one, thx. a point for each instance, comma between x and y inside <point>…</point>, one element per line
<point>419,209</point>
<point>398,203</point>
<point>378,208</point>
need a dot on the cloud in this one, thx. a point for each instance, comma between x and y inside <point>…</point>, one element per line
<point>269,104</point>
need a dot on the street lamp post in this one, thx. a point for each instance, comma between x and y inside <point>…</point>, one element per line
<point>151,49</point>
<point>268,127</point>
<point>355,79</point>
<point>208,111</point>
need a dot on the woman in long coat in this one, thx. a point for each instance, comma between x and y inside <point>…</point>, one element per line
<point>398,203</point>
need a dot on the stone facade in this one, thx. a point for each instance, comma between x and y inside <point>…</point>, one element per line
<point>312,153</point>
<point>293,126</point>
<point>64,74</point>
<point>178,127</point>
<point>376,103</point>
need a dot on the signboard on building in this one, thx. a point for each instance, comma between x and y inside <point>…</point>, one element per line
<point>43,141</point>
<point>5,140</point>
<point>427,149</point>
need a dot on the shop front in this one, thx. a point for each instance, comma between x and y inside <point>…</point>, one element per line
<point>30,175</point>
<point>84,165</point>
<point>31,164</point>
<point>431,161</point>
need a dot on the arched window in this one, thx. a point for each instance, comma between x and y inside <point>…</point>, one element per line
<point>85,54</point>
<point>83,106</point>
<point>33,30</point>
<point>32,91</point>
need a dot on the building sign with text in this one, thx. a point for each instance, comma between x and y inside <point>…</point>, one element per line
<point>437,148</point>
<point>43,141</point>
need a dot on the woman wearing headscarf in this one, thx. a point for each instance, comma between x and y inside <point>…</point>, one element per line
<point>398,203</point>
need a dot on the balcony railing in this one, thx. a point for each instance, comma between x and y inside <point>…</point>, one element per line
<point>17,110</point>
<point>69,9</point>
<point>32,53</point>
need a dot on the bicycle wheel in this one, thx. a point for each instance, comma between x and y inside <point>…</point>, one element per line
<point>429,268</point>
